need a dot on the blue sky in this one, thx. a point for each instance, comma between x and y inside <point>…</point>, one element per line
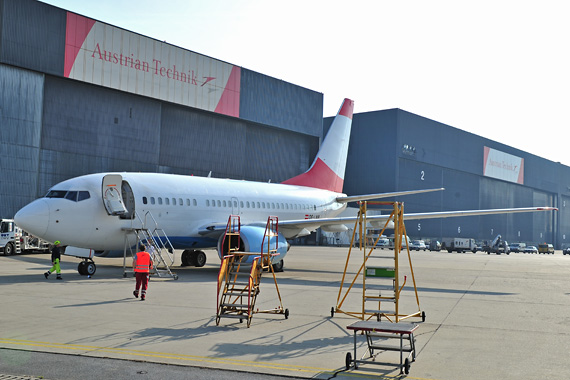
<point>499,69</point>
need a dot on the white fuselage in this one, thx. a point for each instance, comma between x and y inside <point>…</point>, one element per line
<point>183,206</point>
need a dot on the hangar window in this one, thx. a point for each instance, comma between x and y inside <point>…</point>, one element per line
<point>152,201</point>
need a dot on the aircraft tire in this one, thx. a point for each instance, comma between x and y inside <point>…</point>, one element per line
<point>186,258</point>
<point>278,266</point>
<point>90,268</point>
<point>199,259</point>
<point>81,268</point>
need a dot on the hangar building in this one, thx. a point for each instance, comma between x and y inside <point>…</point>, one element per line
<point>80,96</point>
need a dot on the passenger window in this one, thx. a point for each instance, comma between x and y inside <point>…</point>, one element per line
<point>219,204</point>
<point>207,203</point>
<point>247,204</point>
<point>241,204</point>
<point>159,200</point>
<point>151,200</point>
<point>272,205</point>
<point>167,201</point>
<point>195,203</point>
<point>71,195</point>
<point>225,204</point>
<point>174,201</point>
<point>262,204</point>
<point>180,202</point>
<point>144,201</point>
<point>252,204</point>
<point>258,205</point>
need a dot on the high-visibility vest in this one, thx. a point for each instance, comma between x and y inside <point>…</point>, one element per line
<point>143,263</point>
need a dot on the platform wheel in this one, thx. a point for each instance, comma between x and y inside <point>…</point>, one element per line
<point>332,311</point>
<point>423,316</point>
<point>286,313</point>
<point>217,320</point>
<point>348,360</point>
<point>407,366</point>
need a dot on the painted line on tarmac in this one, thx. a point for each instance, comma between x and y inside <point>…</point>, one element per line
<point>195,358</point>
<point>161,355</point>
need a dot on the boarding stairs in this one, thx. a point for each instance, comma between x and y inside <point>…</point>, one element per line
<point>157,243</point>
<point>239,278</point>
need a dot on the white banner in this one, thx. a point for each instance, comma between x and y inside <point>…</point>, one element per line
<point>104,55</point>
<point>503,166</point>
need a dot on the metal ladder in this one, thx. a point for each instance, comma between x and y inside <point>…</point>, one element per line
<point>157,243</point>
<point>238,280</point>
<point>380,283</point>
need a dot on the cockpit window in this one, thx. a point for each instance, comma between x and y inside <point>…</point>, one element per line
<point>75,196</point>
<point>56,194</point>
<point>71,195</point>
<point>82,195</point>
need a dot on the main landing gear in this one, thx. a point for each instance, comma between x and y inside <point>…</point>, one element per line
<point>193,258</point>
<point>87,267</point>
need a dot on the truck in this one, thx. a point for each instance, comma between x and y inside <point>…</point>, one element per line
<point>459,245</point>
<point>14,240</point>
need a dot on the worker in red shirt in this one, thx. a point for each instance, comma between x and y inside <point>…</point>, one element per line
<point>142,264</point>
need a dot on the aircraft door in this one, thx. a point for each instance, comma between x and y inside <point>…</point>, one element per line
<point>235,206</point>
<point>111,192</point>
<point>128,200</point>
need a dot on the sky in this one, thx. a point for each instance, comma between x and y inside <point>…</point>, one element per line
<point>498,69</point>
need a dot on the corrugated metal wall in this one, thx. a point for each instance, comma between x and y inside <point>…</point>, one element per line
<point>20,131</point>
<point>396,150</point>
<point>277,103</point>
<point>33,36</point>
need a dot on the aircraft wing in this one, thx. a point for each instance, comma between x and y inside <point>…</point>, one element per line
<point>367,197</point>
<point>295,228</point>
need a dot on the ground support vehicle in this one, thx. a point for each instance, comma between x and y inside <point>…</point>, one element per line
<point>498,246</point>
<point>13,240</point>
<point>517,247</point>
<point>418,245</point>
<point>459,245</point>
<point>530,249</point>
<point>546,248</point>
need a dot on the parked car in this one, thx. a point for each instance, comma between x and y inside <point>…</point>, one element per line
<point>530,249</point>
<point>566,251</point>
<point>546,248</point>
<point>418,245</point>
<point>517,247</point>
<point>382,243</point>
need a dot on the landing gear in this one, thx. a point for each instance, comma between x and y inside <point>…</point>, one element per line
<point>278,266</point>
<point>87,267</point>
<point>193,258</point>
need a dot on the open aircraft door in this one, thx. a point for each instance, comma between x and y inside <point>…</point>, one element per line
<point>111,191</point>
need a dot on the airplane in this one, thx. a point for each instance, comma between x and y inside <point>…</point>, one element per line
<point>92,211</point>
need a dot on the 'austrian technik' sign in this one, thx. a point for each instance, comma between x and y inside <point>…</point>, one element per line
<point>112,57</point>
<point>503,166</point>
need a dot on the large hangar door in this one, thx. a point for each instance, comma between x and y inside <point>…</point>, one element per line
<point>564,218</point>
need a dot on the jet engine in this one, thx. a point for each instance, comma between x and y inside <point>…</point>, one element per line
<point>251,239</point>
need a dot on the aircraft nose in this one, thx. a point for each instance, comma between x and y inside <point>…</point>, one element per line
<point>34,218</point>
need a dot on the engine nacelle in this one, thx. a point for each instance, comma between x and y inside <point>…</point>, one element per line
<point>251,239</point>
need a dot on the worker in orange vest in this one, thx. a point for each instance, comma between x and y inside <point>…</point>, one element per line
<point>142,264</point>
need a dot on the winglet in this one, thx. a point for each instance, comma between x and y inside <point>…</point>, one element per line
<point>327,171</point>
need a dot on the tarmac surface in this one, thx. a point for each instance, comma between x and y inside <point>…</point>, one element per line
<point>487,317</point>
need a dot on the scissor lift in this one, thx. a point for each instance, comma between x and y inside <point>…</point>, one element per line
<point>380,283</point>
<point>239,281</point>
